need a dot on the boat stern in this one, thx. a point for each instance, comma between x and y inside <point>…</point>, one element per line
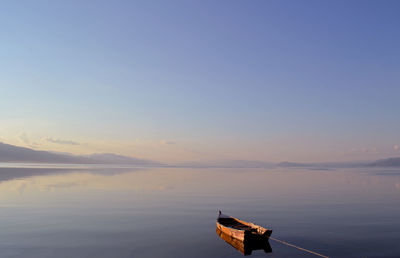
<point>267,233</point>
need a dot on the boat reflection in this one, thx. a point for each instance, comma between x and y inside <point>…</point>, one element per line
<point>245,247</point>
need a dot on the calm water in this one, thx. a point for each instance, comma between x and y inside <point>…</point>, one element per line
<point>171,212</point>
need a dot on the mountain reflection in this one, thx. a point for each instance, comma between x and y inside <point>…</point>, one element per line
<point>10,173</point>
<point>245,247</point>
<point>33,180</point>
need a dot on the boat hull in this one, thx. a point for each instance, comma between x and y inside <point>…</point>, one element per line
<point>238,234</point>
<point>245,247</point>
<point>241,230</point>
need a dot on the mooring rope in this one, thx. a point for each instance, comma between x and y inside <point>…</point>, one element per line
<point>298,247</point>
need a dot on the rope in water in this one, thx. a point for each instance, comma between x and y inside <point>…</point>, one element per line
<point>298,247</point>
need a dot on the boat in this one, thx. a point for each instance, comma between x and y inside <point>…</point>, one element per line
<point>245,247</point>
<point>241,230</point>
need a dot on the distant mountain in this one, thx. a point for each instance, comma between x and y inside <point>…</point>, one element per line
<point>228,164</point>
<point>390,162</point>
<point>293,164</point>
<point>264,164</point>
<point>11,153</point>
<point>111,158</point>
<point>350,164</point>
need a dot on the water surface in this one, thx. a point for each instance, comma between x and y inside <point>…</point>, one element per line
<point>170,212</point>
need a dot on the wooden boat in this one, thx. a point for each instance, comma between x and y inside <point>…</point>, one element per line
<point>245,247</point>
<point>241,230</point>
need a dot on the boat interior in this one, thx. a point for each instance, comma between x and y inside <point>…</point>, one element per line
<point>233,223</point>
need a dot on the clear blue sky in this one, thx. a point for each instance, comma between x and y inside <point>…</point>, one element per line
<point>182,80</point>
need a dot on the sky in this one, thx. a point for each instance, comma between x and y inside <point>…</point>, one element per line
<point>303,81</point>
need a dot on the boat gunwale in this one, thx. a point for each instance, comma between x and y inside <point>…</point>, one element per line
<point>261,231</point>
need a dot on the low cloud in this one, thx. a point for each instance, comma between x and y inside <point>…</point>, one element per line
<point>166,142</point>
<point>369,150</point>
<point>60,141</point>
<point>366,150</point>
<point>396,147</point>
<point>23,137</point>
